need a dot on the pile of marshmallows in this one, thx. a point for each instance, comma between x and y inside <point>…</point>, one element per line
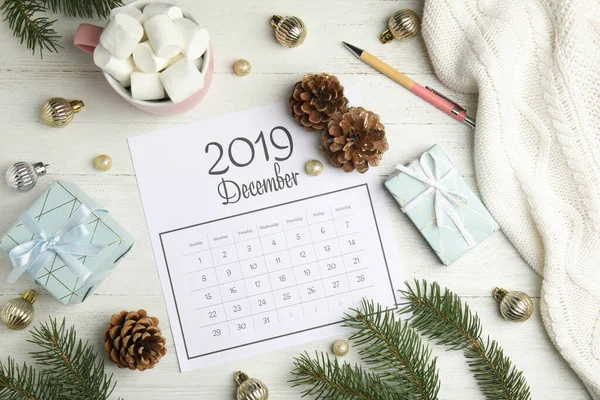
<point>157,52</point>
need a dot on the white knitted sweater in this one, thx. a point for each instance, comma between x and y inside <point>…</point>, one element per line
<point>536,67</point>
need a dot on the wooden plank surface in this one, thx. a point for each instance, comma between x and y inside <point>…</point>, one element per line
<point>240,29</point>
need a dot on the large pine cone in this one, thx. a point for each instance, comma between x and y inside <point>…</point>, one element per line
<point>315,99</point>
<point>133,340</point>
<point>355,140</point>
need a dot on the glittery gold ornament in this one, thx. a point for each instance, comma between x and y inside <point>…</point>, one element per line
<point>250,388</point>
<point>314,167</point>
<point>58,112</point>
<point>404,24</point>
<point>18,314</point>
<point>103,162</point>
<point>340,348</point>
<point>23,177</point>
<point>242,67</point>
<point>514,306</point>
<point>289,31</point>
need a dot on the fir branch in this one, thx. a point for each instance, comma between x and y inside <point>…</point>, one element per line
<point>24,383</point>
<point>83,8</point>
<point>73,365</point>
<point>327,379</point>
<point>35,32</point>
<point>393,349</point>
<point>442,317</point>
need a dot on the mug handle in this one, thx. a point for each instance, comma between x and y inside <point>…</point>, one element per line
<point>87,37</point>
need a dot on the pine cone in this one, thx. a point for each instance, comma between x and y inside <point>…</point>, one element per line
<point>315,99</point>
<point>354,140</point>
<point>133,340</point>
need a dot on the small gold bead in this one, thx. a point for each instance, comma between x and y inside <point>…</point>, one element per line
<point>314,167</point>
<point>103,162</point>
<point>242,67</point>
<point>340,348</point>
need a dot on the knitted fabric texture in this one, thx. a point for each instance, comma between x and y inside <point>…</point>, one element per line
<point>536,67</point>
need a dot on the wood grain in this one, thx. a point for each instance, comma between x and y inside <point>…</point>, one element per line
<point>241,30</point>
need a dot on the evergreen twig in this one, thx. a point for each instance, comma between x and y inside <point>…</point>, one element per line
<point>37,32</point>
<point>73,365</point>
<point>24,383</point>
<point>442,317</point>
<point>329,380</point>
<point>394,350</point>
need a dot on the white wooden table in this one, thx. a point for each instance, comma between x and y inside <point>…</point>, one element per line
<point>240,29</point>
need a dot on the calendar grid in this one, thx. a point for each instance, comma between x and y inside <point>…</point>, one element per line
<point>326,283</point>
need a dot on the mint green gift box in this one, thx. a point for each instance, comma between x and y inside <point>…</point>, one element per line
<point>66,242</point>
<point>439,202</point>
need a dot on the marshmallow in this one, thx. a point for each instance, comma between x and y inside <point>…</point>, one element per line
<point>181,80</point>
<point>163,36</point>
<point>134,12</point>
<point>145,59</point>
<point>121,35</point>
<point>119,68</point>
<point>175,59</point>
<point>146,86</point>
<point>154,9</point>
<point>195,39</point>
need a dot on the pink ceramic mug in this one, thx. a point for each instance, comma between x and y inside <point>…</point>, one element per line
<point>87,38</point>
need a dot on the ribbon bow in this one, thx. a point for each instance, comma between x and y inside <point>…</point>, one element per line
<point>32,256</point>
<point>444,198</point>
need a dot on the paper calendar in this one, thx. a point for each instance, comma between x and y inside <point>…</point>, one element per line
<point>253,253</point>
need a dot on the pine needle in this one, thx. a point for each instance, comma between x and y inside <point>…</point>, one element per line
<point>393,349</point>
<point>442,317</point>
<point>83,8</point>
<point>72,364</point>
<point>24,383</point>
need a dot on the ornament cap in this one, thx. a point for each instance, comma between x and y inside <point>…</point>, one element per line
<point>30,296</point>
<point>275,20</point>
<point>40,168</point>
<point>386,36</point>
<point>77,105</point>
<point>241,377</point>
<point>499,293</point>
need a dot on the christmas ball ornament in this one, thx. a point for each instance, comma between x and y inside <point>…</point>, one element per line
<point>404,24</point>
<point>315,99</point>
<point>340,348</point>
<point>354,140</point>
<point>58,112</point>
<point>289,31</point>
<point>314,167</point>
<point>133,340</point>
<point>514,306</point>
<point>242,67</point>
<point>23,176</point>
<point>18,314</point>
<point>250,388</point>
<point>103,162</point>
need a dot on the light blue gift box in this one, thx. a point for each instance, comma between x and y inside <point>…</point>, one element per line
<point>66,242</point>
<point>437,199</point>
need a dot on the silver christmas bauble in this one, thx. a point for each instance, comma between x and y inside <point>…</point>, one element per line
<point>340,348</point>
<point>23,176</point>
<point>403,24</point>
<point>289,31</point>
<point>58,112</point>
<point>250,388</point>
<point>514,306</point>
<point>18,314</point>
<point>314,167</point>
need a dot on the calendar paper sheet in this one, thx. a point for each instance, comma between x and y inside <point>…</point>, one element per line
<point>253,253</point>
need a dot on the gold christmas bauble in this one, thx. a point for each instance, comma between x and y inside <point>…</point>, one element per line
<point>314,167</point>
<point>514,306</point>
<point>404,24</point>
<point>340,348</point>
<point>289,31</point>
<point>250,388</point>
<point>242,67</point>
<point>18,314</point>
<point>103,162</point>
<point>58,112</point>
